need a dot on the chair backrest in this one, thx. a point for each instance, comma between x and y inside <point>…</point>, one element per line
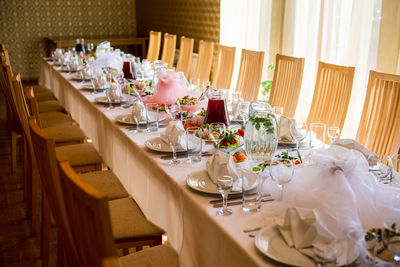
<point>251,65</point>
<point>32,105</point>
<point>286,84</point>
<point>185,55</point>
<point>331,94</point>
<point>169,47</point>
<point>153,51</point>
<point>88,216</point>
<point>204,61</point>
<point>44,149</point>
<point>379,128</point>
<point>224,70</point>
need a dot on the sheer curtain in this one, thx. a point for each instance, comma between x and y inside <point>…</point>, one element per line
<point>342,32</point>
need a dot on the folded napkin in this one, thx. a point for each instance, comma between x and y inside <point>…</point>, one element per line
<point>352,144</point>
<point>100,81</point>
<point>139,111</point>
<point>176,133</point>
<point>302,231</point>
<point>221,164</point>
<point>285,123</point>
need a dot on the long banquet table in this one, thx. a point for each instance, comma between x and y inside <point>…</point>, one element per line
<point>201,237</point>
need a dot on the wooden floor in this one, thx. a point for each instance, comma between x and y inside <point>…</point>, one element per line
<point>17,247</point>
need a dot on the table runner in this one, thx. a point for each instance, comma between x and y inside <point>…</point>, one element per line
<point>200,236</point>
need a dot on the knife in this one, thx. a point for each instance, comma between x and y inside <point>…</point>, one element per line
<point>184,155</point>
<point>234,197</point>
<point>234,203</point>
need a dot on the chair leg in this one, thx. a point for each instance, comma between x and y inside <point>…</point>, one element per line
<point>13,151</point>
<point>45,233</point>
<point>125,251</point>
<point>62,259</point>
<point>34,202</point>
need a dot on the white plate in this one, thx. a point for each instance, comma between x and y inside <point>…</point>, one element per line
<point>200,181</point>
<point>104,100</point>
<point>128,119</point>
<point>156,144</point>
<point>270,242</point>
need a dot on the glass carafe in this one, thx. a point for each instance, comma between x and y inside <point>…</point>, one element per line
<point>216,108</point>
<point>80,46</point>
<point>128,67</point>
<point>158,65</point>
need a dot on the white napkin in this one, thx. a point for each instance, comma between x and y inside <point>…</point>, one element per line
<point>100,81</point>
<point>139,111</point>
<point>352,144</point>
<point>176,131</point>
<point>284,129</point>
<point>302,231</point>
<point>221,164</point>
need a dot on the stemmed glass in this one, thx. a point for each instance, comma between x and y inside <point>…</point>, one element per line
<point>244,110</point>
<point>278,112</point>
<point>173,142</point>
<point>298,131</point>
<point>282,173</point>
<point>140,87</point>
<point>224,184</point>
<point>391,238</point>
<point>217,132</point>
<point>333,133</point>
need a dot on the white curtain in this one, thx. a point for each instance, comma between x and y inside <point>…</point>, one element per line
<point>245,24</point>
<point>342,32</point>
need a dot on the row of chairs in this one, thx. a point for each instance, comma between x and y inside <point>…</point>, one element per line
<point>50,133</point>
<point>379,130</point>
<point>250,71</point>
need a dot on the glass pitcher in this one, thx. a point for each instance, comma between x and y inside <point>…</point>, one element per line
<point>128,67</point>
<point>80,46</point>
<point>261,136</point>
<point>216,108</point>
<point>158,65</point>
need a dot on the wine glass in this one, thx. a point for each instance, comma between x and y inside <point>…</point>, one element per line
<point>217,132</point>
<point>140,87</point>
<point>282,173</point>
<point>244,110</point>
<point>278,112</point>
<point>224,184</point>
<point>173,142</point>
<point>391,237</point>
<point>298,131</point>
<point>333,133</point>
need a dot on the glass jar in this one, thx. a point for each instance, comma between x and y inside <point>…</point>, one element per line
<point>216,108</point>
<point>80,46</point>
<point>261,136</point>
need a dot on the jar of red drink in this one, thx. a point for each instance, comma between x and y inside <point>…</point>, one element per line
<point>216,108</point>
<point>128,67</point>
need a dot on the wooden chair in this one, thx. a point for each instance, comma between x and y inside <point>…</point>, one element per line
<point>185,55</point>
<point>286,84</point>
<point>331,94</point>
<point>224,69</point>
<point>251,65</point>
<point>204,61</point>
<point>153,51</point>
<point>169,47</point>
<point>88,215</point>
<point>380,123</point>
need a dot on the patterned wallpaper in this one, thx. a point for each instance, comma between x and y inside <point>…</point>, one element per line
<point>24,25</point>
<point>197,19</point>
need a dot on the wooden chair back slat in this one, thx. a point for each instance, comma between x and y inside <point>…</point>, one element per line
<point>286,83</point>
<point>169,47</point>
<point>332,93</point>
<point>185,55</point>
<point>89,218</point>
<point>224,69</point>
<point>153,51</point>
<point>380,124</point>
<point>251,64</point>
<point>204,61</point>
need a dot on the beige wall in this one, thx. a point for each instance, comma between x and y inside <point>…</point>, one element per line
<point>24,25</point>
<point>197,19</point>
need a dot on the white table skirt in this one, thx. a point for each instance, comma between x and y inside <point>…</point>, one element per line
<point>201,237</point>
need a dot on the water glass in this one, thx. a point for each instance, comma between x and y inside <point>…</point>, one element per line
<point>278,113</point>
<point>173,142</point>
<point>244,110</point>
<point>224,184</point>
<point>217,132</point>
<point>153,115</point>
<point>317,138</point>
<point>194,144</point>
<point>281,173</point>
<point>194,83</point>
<point>357,246</point>
<point>391,237</point>
<point>251,197</point>
<point>333,133</point>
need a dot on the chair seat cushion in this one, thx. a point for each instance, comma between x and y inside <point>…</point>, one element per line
<point>128,221</point>
<point>79,155</point>
<point>159,256</point>
<point>49,119</point>
<point>49,105</point>
<point>65,133</point>
<point>40,89</point>
<point>44,96</point>
<point>106,182</point>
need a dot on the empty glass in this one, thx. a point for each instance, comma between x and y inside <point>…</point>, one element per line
<point>152,113</point>
<point>278,112</point>
<point>194,144</point>
<point>282,173</point>
<point>317,138</point>
<point>217,132</point>
<point>298,132</point>
<point>333,133</point>
<point>251,201</point>
<point>357,247</point>
<point>173,142</point>
<point>224,184</point>
<point>244,110</point>
<point>391,237</point>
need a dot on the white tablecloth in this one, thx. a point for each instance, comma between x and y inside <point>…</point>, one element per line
<point>201,237</point>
